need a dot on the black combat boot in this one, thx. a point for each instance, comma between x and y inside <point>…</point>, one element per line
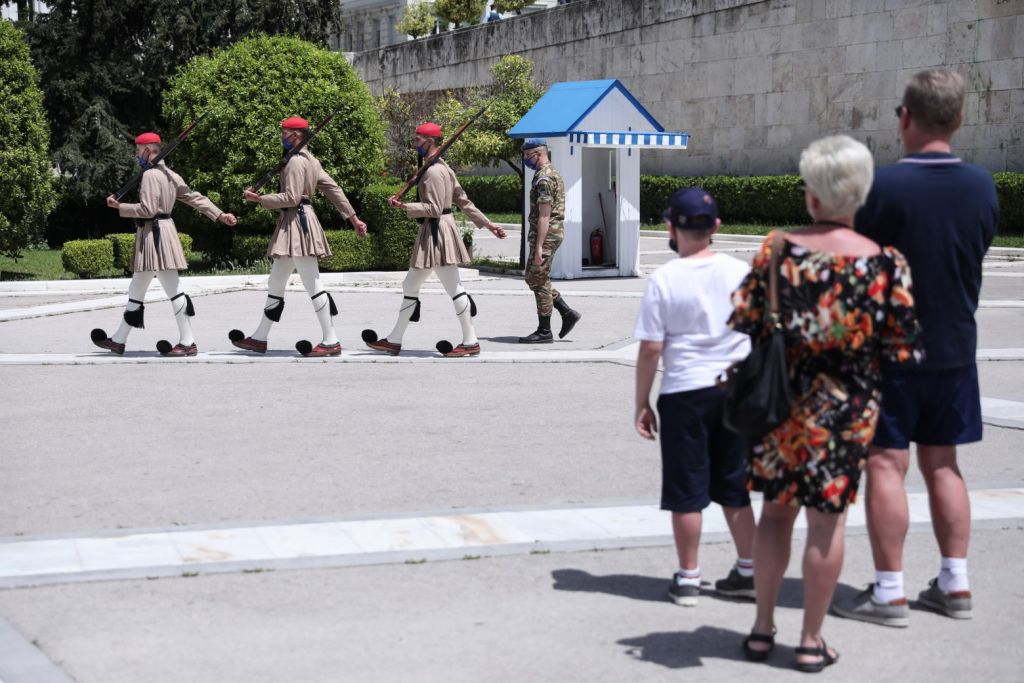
<point>569,317</point>
<point>543,333</point>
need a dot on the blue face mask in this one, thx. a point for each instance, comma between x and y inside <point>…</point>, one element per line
<point>421,150</point>
<point>286,143</point>
<point>532,164</point>
<point>142,162</point>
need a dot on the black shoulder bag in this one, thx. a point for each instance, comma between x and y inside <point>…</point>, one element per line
<point>758,396</point>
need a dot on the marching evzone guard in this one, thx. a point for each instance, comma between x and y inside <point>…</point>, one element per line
<point>298,243</point>
<point>439,248</point>
<point>547,213</point>
<point>158,250</point>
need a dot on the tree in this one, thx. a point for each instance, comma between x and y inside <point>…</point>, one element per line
<point>460,11</point>
<point>511,94</point>
<point>104,63</point>
<point>245,90</point>
<point>418,20</point>
<point>25,174</point>
<point>512,5</point>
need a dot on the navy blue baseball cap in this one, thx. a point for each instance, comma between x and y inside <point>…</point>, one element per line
<point>691,209</point>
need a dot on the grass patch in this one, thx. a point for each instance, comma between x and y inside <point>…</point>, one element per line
<point>496,216</point>
<point>35,264</point>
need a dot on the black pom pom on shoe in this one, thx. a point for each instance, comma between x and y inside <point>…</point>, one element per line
<point>304,347</point>
<point>444,347</point>
<point>369,336</point>
<point>164,347</point>
<point>236,335</point>
<point>98,335</point>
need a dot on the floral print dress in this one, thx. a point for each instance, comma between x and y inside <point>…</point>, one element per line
<point>841,316</point>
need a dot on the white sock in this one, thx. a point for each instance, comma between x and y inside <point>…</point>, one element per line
<point>171,284</point>
<point>322,307</point>
<point>414,279</point>
<point>745,567</point>
<point>688,577</point>
<point>449,277</point>
<point>953,575</point>
<point>888,586</point>
<point>276,283</point>
<point>137,291</point>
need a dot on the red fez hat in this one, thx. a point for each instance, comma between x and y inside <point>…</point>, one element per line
<point>293,122</point>
<point>147,138</point>
<point>431,130</point>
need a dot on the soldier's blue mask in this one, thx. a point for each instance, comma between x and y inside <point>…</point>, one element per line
<point>532,164</point>
<point>421,150</point>
<point>286,143</point>
<point>143,162</point>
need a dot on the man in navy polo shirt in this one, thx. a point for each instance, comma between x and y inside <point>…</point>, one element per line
<point>942,214</point>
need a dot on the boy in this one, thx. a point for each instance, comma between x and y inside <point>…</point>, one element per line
<point>683,321</point>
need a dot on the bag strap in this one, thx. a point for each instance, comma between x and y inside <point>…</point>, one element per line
<point>778,241</point>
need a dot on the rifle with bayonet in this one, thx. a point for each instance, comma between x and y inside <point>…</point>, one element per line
<point>292,152</point>
<point>134,180</point>
<point>428,162</point>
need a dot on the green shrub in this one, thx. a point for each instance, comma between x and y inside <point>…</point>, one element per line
<point>88,258</point>
<point>124,247</point>
<point>498,193</point>
<point>26,177</point>
<point>467,238</point>
<point>249,248</point>
<point>245,90</point>
<point>394,234</point>
<point>350,252</point>
<point>772,200</point>
<point>1010,189</point>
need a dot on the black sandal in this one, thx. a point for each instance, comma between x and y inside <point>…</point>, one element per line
<point>814,667</point>
<point>759,655</point>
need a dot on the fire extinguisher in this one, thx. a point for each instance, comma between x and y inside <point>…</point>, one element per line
<point>597,247</point>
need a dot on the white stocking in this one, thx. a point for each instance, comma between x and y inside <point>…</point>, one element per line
<point>136,292</point>
<point>171,283</point>
<point>449,277</point>
<point>278,280</point>
<point>309,271</point>
<point>414,279</point>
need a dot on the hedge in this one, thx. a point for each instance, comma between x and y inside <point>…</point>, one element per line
<point>349,251</point>
<point>88,258</point>
<point>770,200</point>
<point>496,193</point>
<point>124,246</point>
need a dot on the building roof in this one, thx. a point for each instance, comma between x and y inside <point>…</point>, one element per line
<point>565,105</point>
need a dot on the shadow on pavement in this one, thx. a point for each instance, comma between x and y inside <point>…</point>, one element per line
<point>655,589</point>
<point>682,649</point>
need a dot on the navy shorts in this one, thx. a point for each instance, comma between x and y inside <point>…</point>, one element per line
<point>701,459</point>
<point>931,407</point>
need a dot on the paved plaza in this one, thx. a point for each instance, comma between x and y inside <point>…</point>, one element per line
<point>235,517</point>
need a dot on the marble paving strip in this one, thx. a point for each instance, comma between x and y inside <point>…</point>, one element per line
<point>188,551</point>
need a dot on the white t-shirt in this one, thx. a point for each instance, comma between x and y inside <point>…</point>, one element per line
<point>686,307</point>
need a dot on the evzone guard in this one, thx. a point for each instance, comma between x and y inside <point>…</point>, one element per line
<point>439,247</point>
<point>157,249</point>
<point>299,241</point>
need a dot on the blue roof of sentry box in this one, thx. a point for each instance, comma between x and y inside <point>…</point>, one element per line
<point>564,105</point>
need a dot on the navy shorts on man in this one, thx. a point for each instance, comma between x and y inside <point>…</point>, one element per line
<point>702,460</point>
<point>936,408</point>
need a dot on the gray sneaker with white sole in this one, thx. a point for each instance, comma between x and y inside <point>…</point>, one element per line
<point>683,594</point>
<point>865,607</point>
<point>956,604</point>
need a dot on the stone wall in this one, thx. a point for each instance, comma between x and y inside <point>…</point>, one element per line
<point>752,82</point>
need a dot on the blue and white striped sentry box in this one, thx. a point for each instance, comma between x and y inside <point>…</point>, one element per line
<point>625,138</point>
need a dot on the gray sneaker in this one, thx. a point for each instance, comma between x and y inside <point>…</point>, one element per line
<point>736,586</point>
<point>685,595</point>
<point>956,604</point>
<point>865,607</point>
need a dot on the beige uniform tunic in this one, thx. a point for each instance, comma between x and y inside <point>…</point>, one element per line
<point>299,179</point>
<point>156,241</point>
<point>438,189</point>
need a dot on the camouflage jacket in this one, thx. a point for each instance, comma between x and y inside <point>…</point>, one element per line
<point>547,188</point>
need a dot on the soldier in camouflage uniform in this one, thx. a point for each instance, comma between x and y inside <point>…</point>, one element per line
<point>547,212</point>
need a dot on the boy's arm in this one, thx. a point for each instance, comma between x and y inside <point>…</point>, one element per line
<point>646,422</point>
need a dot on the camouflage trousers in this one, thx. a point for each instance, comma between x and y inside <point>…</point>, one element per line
<point>538,277</point>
